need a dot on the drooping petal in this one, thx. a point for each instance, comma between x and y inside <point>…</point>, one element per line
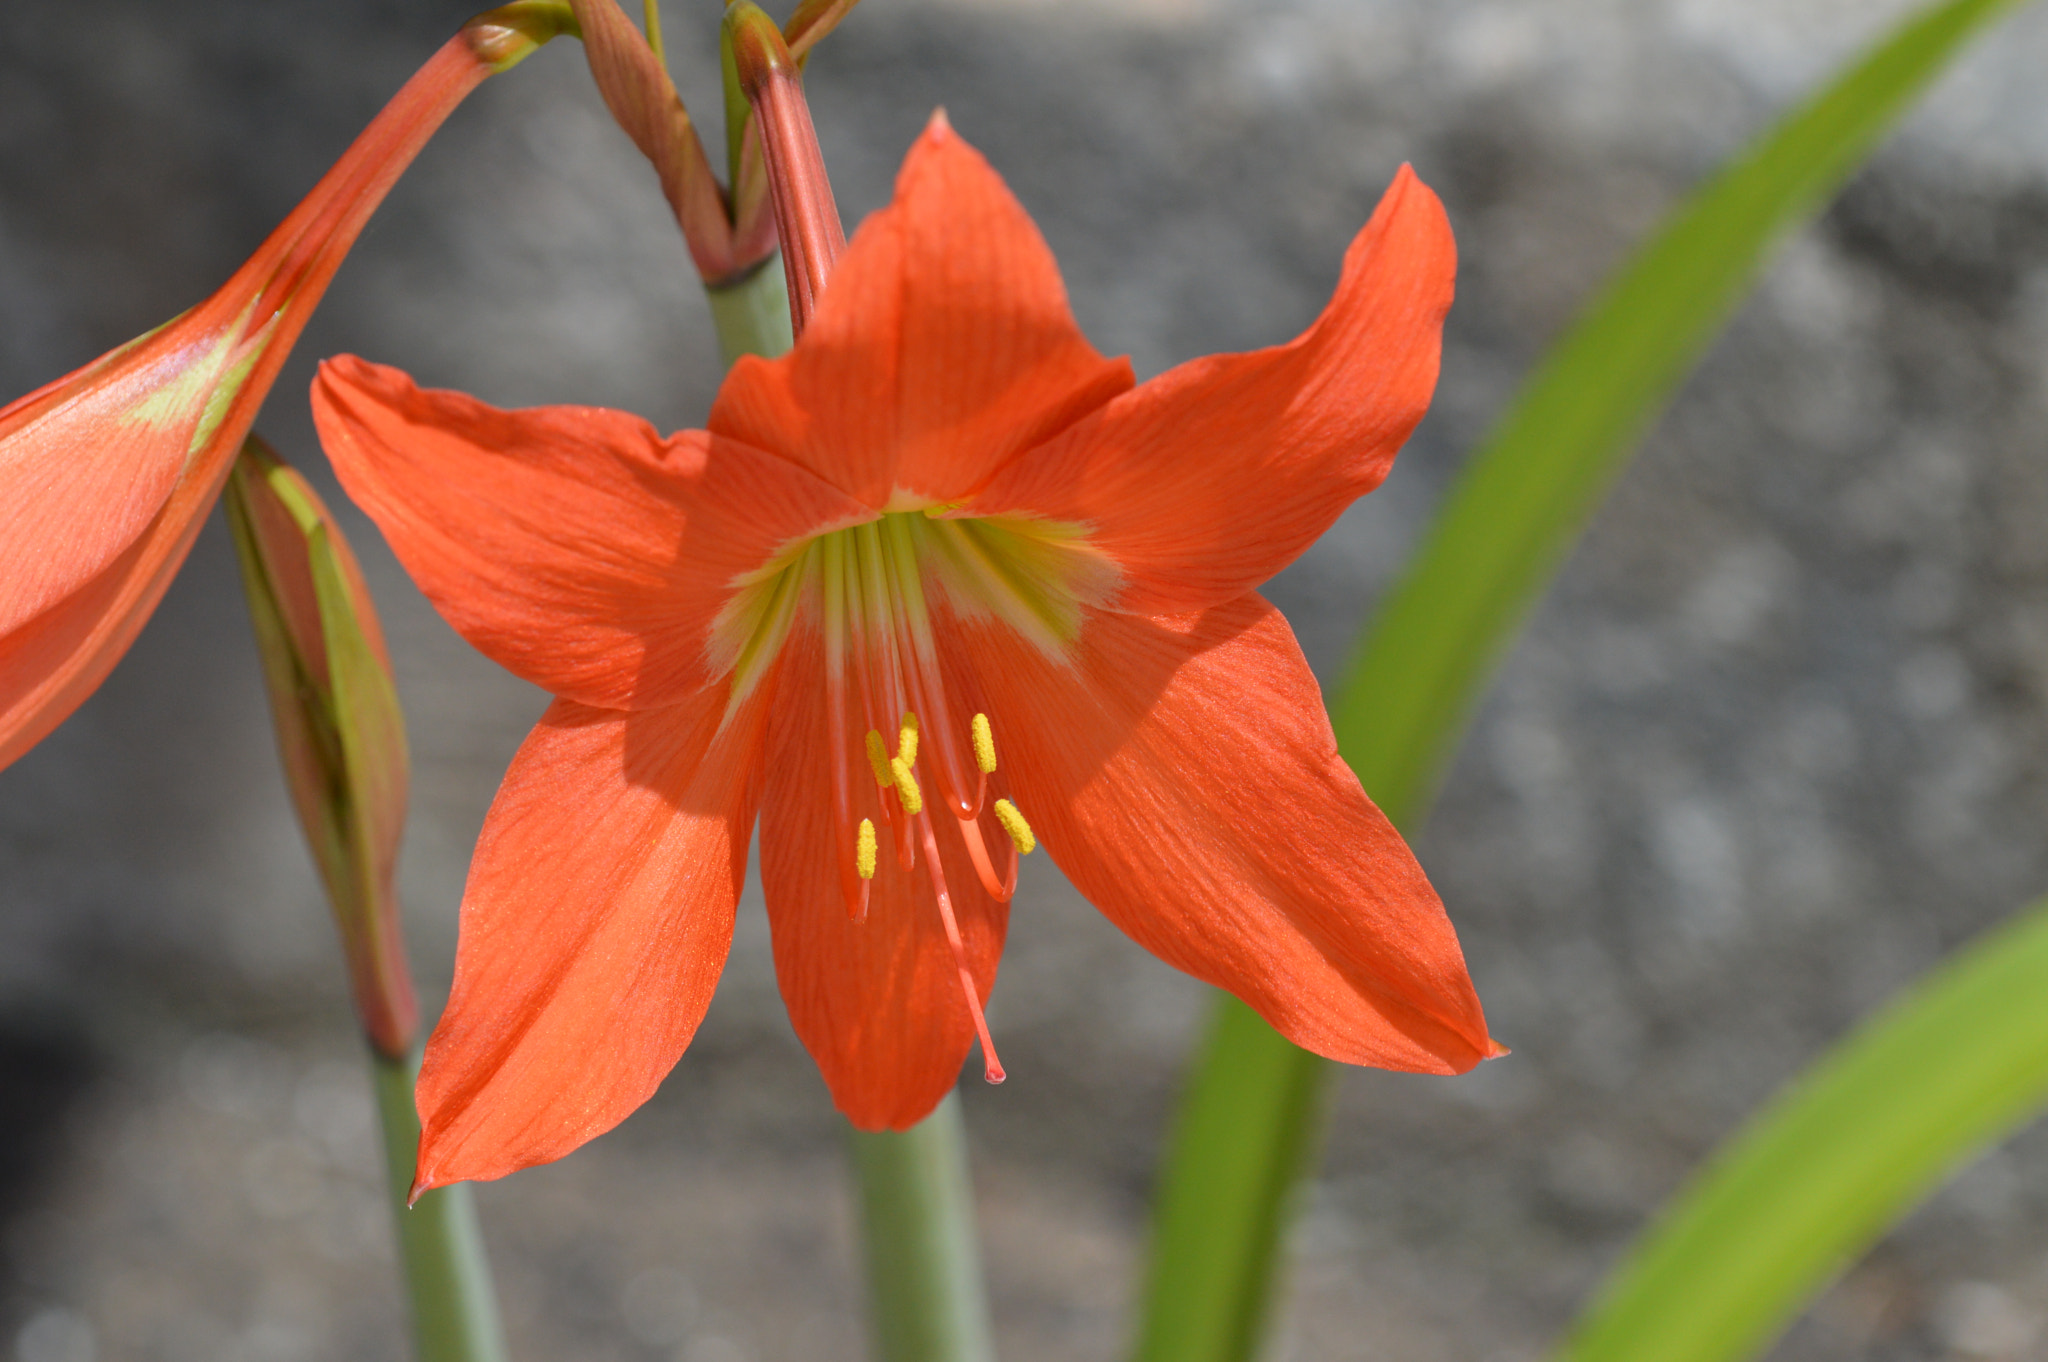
<point>597,917</point>
<point>105,473</point>
<point>942,346</point>
<point>878,1003</point>
<point>49,665</point>
<point>1183,774</point>
<point>573,545</point>
<point>1209,479</point>
<point>88,461</point>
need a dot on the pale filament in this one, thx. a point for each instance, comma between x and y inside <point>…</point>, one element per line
<point>882,693</point>
<point>853,887</point>
<point>920,663</point>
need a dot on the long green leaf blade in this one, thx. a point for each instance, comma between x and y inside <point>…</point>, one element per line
<point>1504,531</point>
<point>1851,1146</point>
<point>1524,500</point>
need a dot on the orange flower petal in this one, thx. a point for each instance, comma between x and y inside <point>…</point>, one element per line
<point>878,1003</point>
<point>942,346</point>
<point>51,664</point>
<point>112,439</point>
<point>596,920</point>
<point>106,474</point>
<point>572,544</point>
<point>1212,477</point>
<point>1183,774</point>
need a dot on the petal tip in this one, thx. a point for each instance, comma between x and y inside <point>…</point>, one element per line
<point>424,1181</point>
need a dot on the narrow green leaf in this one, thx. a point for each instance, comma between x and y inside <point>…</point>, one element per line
<point>1849,1147</point>
<point>1247,1132</point>
<point>1524,499</point>
<point>1245,1129</point>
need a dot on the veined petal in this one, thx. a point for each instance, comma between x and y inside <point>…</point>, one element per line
<point>1209,479</point>
<point>573,545</point>
<point>597,917</point>
<point>88,461</point>
<point>1183,774</point>
<point>49,665</point>
<point>942,346</point>
<point>878,1003</point>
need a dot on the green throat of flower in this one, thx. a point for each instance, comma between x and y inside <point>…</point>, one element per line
<point>873,591</point>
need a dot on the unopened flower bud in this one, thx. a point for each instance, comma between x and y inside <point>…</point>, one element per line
<point>339,729</point>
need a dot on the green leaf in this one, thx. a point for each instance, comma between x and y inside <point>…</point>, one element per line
<point>1245,1130</point>
<point>1524,499</point>
<point>1848,1148</point>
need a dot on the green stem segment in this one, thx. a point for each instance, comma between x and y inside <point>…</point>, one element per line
<point>1248,1128</point>
<point>924,1269</point>
<point>751,313</point>
<point>454,1307</point>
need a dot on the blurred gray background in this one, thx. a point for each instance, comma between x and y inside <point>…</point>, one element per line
<point>1773,747</point>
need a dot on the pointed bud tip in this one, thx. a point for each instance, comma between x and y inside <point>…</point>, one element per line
<point>1495,1050</point>
<point>940,127</point>
<point>758,50</point>
<point>508,35</point>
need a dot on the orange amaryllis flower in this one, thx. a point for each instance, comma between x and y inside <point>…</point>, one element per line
<point>107,473</point>
<point>940,570</point>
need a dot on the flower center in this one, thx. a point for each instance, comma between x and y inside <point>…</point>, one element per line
<point>875,590</point>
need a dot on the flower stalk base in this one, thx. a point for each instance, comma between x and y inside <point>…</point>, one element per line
<point>917,1225</point>
<point>441,1250</point>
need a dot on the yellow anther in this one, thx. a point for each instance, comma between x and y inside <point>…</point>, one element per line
<point>906,787</point>
<point>1014,824</point>
<point>906,741</point>
<point>984,744</point>
<point>878,757</point>
<point>864,849</point>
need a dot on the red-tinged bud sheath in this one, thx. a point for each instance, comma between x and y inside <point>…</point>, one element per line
<point>812,20</point>
<point>339,729</point>
<point>644,103</point>
<point>107,473</point>
<point>806,217</point>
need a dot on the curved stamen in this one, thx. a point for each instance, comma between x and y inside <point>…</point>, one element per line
<point>1000,888</point>
<point>992,1068</point>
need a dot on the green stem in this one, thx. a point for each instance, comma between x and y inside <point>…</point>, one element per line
<point>751,312</point>
<point>650,13</point>
<point>454,1307</point>
<point>924,1270</point>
